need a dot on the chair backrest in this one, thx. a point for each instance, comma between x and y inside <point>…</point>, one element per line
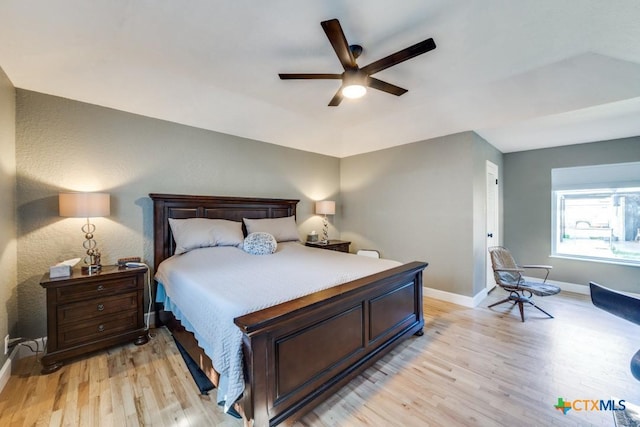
<point>371,253</point>
<point>615,302</point>
<point>501,258</point>
<point>621,305</point>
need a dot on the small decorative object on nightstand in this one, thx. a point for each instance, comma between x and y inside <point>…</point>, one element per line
<point>86,313</point>
<point>332,245</point>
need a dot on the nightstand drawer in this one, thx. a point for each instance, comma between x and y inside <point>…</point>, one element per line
<point>96,307</point>
<point>96,289</point>
<point>331,245</point>
<point>96,328</point>
<point>342,247</point>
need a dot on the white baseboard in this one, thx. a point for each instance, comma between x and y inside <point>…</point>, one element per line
<point>474,301</point>
<point>576,288</point>
<point>565,286</point>
<point>462,300</point>
<point>5,372</point>
<point>18,352</point>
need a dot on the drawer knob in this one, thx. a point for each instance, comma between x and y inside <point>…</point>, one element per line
<point>101,328</point>
<point>100,307</point>
<point>100,287</point>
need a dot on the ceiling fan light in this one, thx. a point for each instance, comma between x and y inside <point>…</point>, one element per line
<point>354,91</point>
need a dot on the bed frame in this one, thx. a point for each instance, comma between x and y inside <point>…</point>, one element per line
<point>286,373</point>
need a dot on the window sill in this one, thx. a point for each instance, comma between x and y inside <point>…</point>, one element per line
<point>598,260</point>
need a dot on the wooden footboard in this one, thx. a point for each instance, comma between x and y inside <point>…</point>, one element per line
<point>300,352</point>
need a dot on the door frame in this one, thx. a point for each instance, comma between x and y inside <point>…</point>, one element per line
<point>492,237</point>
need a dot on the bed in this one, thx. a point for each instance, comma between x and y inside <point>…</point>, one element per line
<point>367,316</point>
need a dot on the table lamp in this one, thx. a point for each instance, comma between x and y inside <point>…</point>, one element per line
<point>86,205</point>
<point>325,207</point>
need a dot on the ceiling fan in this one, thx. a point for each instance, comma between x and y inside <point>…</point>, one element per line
<point>355,79</point>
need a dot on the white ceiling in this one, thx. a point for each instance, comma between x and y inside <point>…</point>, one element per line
<point>523,74</point>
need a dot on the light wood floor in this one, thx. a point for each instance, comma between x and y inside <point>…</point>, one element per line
<point>477,366</point>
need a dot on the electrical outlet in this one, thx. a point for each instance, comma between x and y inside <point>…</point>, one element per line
<point>6,344</point>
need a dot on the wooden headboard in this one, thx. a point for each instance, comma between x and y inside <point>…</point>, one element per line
<point>180,206</point>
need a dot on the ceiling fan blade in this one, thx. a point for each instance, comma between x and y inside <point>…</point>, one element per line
<point>385,87</point>
<point>337,98</point>
<point>400,56</point>
<point>291,76</point>
<point>334,32</point>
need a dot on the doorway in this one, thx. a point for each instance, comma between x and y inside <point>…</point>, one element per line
<point>493,218</point>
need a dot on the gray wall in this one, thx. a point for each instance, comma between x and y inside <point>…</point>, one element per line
<point>8,251</point>
<point>422,201</point>
<point>527,209</point>
<point>68,145</point>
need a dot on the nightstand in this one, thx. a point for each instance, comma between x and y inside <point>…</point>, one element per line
<point>332,245</point>
<point>86,313</point>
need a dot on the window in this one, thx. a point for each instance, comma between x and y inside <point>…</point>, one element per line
<point>596,212</point>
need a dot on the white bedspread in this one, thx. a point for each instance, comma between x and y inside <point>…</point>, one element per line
<point>207,288</point>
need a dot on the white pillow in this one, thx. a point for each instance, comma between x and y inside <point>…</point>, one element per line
<point>193,233</point>
<point>260,244</point>
<point>283,229</point>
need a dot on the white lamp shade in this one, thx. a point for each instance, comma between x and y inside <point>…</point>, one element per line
<point>326,207</point>
<point>84,205</point>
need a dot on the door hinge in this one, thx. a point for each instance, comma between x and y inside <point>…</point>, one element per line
<point>496,181</point>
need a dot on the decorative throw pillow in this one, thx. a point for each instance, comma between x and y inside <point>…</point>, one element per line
<point>193,233</point>
<point>260,244</point>
<point>283,229</point>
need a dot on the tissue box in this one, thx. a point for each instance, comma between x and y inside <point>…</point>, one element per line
<point>60,270</point>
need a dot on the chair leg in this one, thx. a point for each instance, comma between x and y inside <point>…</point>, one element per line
<point>517,298</point>
<point>520,299</point>
<point>533,304</point>
<point>500,302</point>
<point>521,307</point>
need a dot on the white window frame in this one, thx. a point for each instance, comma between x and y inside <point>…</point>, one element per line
<point>609,181</point>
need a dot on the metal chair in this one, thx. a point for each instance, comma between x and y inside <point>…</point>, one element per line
<point>620,305</point>
<point>509,277</point>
